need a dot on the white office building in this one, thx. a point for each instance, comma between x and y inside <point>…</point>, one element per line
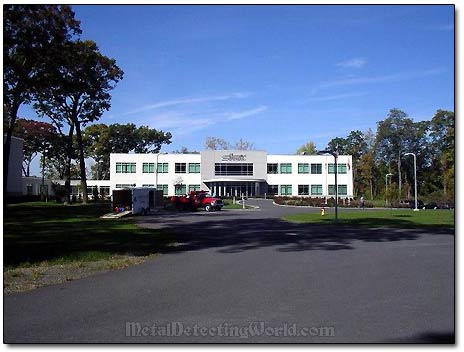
<point>229,173</point>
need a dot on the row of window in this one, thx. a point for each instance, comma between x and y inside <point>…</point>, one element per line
<point>234,169</point>
<point>305,168</point>
<point>163,168</point>
<point>178,189</point>
<point>306,190</point>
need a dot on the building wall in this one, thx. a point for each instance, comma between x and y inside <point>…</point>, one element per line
<point>325,179</point>
<point>210,157</point>
<point>15,162</point>
<point>31,186</point>
<point>139,178</point>
<point>260,160</point>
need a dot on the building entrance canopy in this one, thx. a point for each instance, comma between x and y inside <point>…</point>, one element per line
<point>228,187</point>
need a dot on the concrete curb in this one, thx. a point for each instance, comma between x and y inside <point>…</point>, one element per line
<point>248,205</point>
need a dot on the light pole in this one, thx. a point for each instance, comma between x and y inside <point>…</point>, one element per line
<point>335,155</point>
<point>415,180</point>
<point>42,191</point>
<point>156,171</point>
<point>386,189</point>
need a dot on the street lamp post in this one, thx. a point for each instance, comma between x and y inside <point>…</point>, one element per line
<point>42,191</point>
<point>335,155</point>
<point>386,189</point>
<point>156,171</point>
<point>415,180</point>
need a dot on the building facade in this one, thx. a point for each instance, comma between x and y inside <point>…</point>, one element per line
<point>15,185</point>
<point>229,173</point>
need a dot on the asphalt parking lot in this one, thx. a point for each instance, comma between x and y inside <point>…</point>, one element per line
<point>235,270</point>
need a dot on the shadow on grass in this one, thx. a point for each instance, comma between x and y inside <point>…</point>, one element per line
<point>36,233</point>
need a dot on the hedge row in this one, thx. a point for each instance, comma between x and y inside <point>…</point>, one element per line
<point>320,202</point>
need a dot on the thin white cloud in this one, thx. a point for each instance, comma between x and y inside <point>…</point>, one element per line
<point>396,77</point>
<point>179,123</point>
<point>188,100</point>
<point>357,62</point>
<point>337,97</point>
<point>246,113</point>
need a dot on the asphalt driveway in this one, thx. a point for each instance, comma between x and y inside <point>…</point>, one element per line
<point>247,276</point>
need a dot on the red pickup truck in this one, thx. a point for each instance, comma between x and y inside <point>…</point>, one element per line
<point>197,199</point>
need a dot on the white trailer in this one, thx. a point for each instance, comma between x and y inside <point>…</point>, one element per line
<point>143,199</point>
<point>139,199</point>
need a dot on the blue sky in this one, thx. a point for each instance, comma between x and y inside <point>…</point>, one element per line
<point>277,76</point>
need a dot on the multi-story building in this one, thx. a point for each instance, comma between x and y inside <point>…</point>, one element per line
<point>234,173</point>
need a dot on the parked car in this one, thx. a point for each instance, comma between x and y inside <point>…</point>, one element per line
<point>404,203</point>
<point>446,205</point>
<point>410,203</point>
<point>431,205</point>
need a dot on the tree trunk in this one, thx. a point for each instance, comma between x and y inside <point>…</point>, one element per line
<point>445,178</point>
<point>399,175</point>
<point>67,183</point>
<point>11,114</point>
<point>372,189</point>
<point>80,144</point>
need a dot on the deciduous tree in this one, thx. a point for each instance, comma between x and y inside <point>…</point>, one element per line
<point>214,143</point>
<point>79,92</point>
<point>309,148</point>
<point>101,140</point>
<point>37,136</point>
<point>33,36</point>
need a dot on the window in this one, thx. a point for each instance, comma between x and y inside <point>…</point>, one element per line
<point>180,168</point>
<point>286,168</point>
<point>342,190</point>
<point>162,168</point>
<point>194,168</point>
<point>331,190</point>
<point>163,188</point>
<point>273,189</point>
<point>303,190</point>
<point>148,168</point>
<point>272,169</point>
<point>316,190</point>
<point>180,190</point>
<point>44,189</point>
<point>125,168</point>
<point>29,189</point>
<point>303,168</point>
<point>316,168</point>
<point>194,188</point>
<point>341,168</point>
<point>235,169</point>
<point>149,185</point>
<point>124,185</point>
<point>286,190</point>
<point>104,191</point>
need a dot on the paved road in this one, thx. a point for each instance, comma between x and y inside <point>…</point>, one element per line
<point>250,270</point>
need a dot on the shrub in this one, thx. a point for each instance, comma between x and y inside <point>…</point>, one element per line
<point>60,192</point>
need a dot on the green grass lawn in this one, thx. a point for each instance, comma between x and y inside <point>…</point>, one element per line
<point>55,233</point>
<point>381,218</point>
